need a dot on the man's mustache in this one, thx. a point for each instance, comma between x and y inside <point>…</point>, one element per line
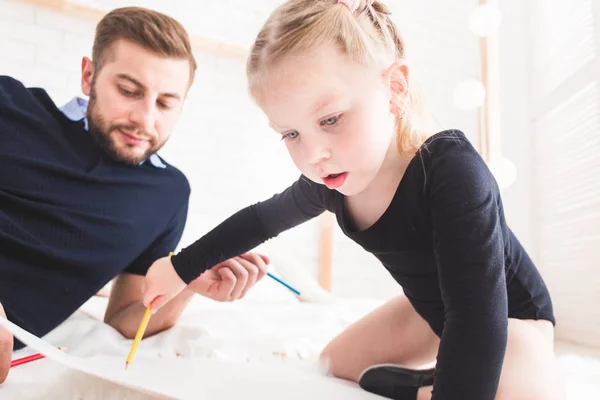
<point>134,131</point>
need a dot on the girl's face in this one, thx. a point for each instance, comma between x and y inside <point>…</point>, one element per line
<point>334,116</point>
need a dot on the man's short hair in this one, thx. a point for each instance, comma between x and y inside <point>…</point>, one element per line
<point>152,30</point>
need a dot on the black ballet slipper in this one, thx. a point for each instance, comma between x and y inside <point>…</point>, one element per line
<point>395,382</point>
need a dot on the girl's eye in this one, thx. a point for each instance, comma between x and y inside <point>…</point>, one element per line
<point>333,120</point>
<point>291,135</point>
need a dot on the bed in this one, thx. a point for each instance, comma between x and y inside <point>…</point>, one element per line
<point>265,346</point>
<point>271,333</point>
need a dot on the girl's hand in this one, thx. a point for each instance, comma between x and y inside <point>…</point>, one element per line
<point>162,284</point>
<point>231,279</point>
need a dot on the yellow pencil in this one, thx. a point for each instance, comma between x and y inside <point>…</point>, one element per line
<point>138,336</point>
<point>140,333</point>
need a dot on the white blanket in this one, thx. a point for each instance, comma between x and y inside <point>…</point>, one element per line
<point>244,349</point>
<point>264,347</point>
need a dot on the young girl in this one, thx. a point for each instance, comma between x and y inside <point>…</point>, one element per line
<point>331,77</point>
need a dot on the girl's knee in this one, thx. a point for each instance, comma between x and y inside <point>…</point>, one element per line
<point>530,369</point>
<point>392,333</point>
<point>334,362</point>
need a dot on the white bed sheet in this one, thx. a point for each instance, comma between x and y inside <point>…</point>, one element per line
<point>243,338</point>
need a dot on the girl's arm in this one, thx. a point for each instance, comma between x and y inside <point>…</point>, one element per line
<point>468,243</point>
<point>253,225</point>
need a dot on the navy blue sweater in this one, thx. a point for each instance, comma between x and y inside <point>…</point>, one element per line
<point>72,218</point>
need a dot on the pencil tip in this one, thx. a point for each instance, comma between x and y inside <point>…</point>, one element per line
<point>126,366</point>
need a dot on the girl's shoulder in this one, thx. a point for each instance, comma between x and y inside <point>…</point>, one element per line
<point>444,141</point>
<point>448,163</point>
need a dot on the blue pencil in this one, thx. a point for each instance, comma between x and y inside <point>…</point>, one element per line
<point>283,283</point>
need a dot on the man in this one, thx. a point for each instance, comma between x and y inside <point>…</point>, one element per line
<point>83,196</point>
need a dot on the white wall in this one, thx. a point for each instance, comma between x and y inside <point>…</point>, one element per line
<point>565,121</point>
<point>514,88</point>
<point>222,142</point>
<point>43,48</point>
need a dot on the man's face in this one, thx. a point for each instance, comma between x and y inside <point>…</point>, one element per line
<point>135,99</point>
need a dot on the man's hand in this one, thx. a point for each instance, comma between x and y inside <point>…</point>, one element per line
<point>231,279</point>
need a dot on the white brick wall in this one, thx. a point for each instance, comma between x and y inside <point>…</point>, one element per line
<point>227,21</point>
<point>37,47</point>
<point>222,142</point>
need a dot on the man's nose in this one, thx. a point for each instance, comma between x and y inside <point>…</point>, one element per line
<point>144,115</point>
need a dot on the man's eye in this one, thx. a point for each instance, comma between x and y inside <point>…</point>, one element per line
<point>163,105</point>
<point>127,92</point>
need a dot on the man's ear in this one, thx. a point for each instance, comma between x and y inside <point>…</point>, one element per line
<point>396,78</point>
<point>87,75</point>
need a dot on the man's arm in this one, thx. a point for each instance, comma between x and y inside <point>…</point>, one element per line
<point>227,281</point>
<point>125,309</point>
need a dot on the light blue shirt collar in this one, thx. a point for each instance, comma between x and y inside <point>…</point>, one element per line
<point>75,110</point>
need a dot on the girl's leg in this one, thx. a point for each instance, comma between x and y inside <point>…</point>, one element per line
<point>6,347</point>
<point>530,370</point>
<point>396,334</point>
<point>393,333</point>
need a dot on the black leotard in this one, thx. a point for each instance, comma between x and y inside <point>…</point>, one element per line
<point>443,238</point>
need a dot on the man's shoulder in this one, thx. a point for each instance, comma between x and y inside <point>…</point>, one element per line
<point>8,84</point>
<point>178,180</point>
<point>9,87</point>
<point>14,93</point>
<point>7,81</point>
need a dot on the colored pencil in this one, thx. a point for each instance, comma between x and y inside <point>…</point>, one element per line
<point>138,336</point>
<point>283,283</point>
<point>28,359</point>
<point>140,333</point>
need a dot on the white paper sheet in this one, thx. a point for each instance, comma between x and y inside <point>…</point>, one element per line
<point>201,379</point>
<point>101,370</point>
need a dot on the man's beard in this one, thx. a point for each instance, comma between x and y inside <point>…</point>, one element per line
<point>101,134</point>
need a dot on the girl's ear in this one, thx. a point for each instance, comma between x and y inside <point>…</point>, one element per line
<point>396,80</point>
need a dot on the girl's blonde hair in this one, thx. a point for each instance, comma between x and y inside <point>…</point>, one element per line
<point>367,36</point>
